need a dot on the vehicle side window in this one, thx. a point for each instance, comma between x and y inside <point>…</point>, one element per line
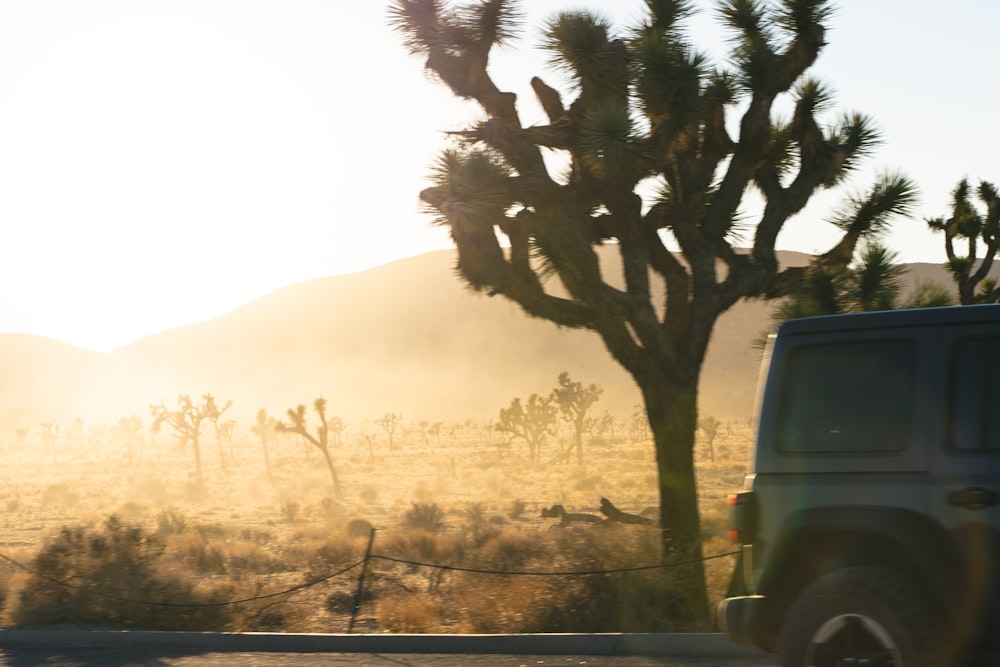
<point>975,389</point>
<point>848,397</point>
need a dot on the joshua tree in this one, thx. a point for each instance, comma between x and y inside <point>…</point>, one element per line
<point>128,433</point>
<point>214,412</point>
<point>337,426</point>
<point>874,281</point>
<point>321,440</point>
<point>649,110</point>
<point>226,431</point>
<point>709,425</point>
<point>265,429</point>
<point>974,227</point>
<point>389,421</point>
<point>574,401</point>
<point>533,422</point>
<point>186,422</point>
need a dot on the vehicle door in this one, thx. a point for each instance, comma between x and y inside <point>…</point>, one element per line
<point>965,482</point>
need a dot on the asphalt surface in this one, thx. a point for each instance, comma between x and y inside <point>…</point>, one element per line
<point>91,648</point>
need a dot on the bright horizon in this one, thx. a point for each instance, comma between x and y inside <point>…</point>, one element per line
<point>163,163</point>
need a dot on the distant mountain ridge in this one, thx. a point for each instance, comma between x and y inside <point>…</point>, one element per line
<point>405,337</point>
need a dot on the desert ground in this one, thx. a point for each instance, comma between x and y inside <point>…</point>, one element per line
<point>273,532</point>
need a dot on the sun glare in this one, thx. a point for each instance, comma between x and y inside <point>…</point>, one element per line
<point>176,160</point>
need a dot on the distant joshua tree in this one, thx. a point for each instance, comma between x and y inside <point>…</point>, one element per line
<point>265,429</point>
<point>186,422</point>
<point>21,432</point>
<point>321,440</point>
<point>709,425</point>
<point>534,422</point>
<point>574,401</point>
<point>974,228</point>
<point>389,421</point>
<point>214,412</point>
<point>127,432</point>
<point>337,427</point>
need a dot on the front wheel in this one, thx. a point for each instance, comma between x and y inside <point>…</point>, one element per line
<point>864,615</point>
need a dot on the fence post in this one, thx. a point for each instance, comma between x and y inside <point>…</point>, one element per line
<point>358,594</point>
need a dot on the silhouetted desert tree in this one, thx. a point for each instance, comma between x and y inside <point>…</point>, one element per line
<point>21,432</point>
<point>186,422</point>
<point>321,439</point>
<point>973,227</point>
<point>873,281</point>
<point>389,421</point>
<point>128,432</point>
<point>574,401</point>
<point>337,426</point>
<point>226,431</point>
<point>523,202</point>
<point>265,429</point>
<point>709,425</point>
<point>533,422</point>
<point>214,412</point>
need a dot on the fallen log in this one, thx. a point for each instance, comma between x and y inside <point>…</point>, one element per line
<point>617,516</point>
<point>558,511</point>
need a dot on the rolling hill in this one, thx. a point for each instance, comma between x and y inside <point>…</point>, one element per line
<point>405,337</point>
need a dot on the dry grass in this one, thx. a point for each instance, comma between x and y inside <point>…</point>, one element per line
<point>458,501</point>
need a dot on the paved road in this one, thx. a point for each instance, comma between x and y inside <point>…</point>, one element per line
<point>71,647</point>
<point>162,657</point>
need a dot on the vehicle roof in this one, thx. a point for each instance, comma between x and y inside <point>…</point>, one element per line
<point>909,317</point>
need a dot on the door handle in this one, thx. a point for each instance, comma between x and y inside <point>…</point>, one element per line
<point>973,498</point>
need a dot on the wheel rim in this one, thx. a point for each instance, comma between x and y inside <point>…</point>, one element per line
<point>852,639</point>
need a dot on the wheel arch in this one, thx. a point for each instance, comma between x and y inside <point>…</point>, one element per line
<point>816,541</point>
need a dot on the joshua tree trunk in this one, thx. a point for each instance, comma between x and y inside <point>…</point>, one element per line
<point>672,411</point>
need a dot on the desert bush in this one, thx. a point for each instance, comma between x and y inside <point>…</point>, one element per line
<point>111,576</point>
<point>615,602</point>
<point>510,550</point>
<point>474,512</point>
<point>197,552</point>
<point>171,522</point>
<point>517,509</point>
<point>369,494</point>
<point>425,516</point>
<point>411,613</point>
<point>359,528</point>
<point>417,544</point>
<point>333,553</point>
<point>290,510</point>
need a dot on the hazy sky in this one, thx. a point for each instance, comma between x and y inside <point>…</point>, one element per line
<point>165,161</point>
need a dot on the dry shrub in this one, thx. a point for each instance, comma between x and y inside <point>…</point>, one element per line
<point>411,613</point>
<point>494,604</point>
<point>334,553</point>
<point>198,553</point>
<point>424,516</point>
<point>112,576</point>
<point>510,550</point>
<point>171,522</point>
<point>359,528</point>
<point>617,602</point>
<point>516,510</point>
<point>420,545</point>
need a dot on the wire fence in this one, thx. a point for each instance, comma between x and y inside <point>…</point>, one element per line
<point>364,564</point>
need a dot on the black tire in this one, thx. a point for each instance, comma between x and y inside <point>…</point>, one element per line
<point>865,615</point>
